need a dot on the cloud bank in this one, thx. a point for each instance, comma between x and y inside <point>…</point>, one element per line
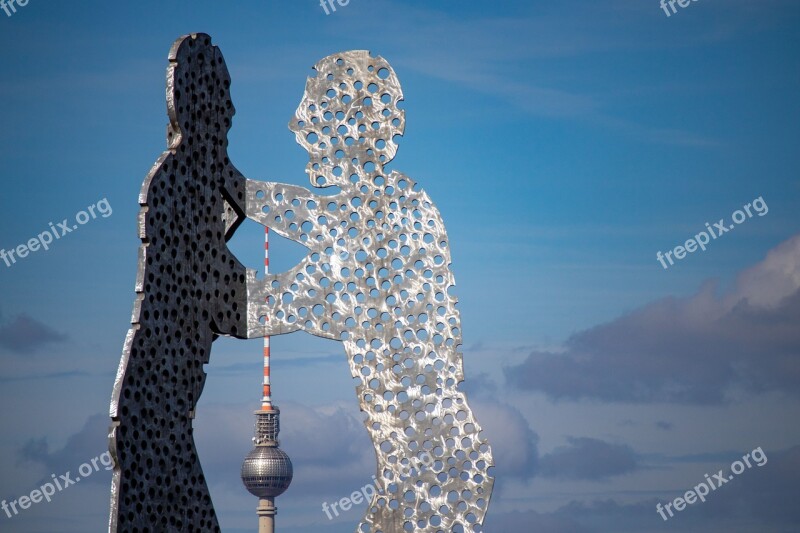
<point>25,335</point>
<point>694,350</point>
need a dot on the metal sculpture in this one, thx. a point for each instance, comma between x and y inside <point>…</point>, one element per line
<point>377,278</point>
<point>189,290</point>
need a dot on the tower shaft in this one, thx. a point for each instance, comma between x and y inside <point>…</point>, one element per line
<point>266,515</point>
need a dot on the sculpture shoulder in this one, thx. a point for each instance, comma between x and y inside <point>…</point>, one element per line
<point>163,161</point>
<point>404,186</point>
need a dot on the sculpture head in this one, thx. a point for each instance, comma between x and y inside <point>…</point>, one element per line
<point>349,120</point>
<point>197,68</point>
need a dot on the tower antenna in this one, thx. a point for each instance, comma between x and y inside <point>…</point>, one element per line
<point>267,470</point>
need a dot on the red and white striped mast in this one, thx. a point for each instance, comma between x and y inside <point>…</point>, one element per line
<point>266,400</point>
<point>267,470</point>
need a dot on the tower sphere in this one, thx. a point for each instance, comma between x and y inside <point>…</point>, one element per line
<point>267,472</point>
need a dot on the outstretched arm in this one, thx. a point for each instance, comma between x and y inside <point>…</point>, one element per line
<point>266,312</point>
<point>292,212</point>
<point>273,305</point>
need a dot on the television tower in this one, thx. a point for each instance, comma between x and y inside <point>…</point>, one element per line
<point>267,470</point>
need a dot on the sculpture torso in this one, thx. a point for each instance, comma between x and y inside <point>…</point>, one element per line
<point>378,277</point>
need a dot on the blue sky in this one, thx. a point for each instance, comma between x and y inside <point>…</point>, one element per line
<point>565,143</point>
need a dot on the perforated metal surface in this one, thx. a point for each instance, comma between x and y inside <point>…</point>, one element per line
<point>189,288</point>
<point>377,278</point>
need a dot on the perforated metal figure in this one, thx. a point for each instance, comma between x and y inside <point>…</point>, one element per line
<point>377,278</point>
<point>189,289</point>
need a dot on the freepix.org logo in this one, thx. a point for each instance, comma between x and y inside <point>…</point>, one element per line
<point>668,5</point>
<point>330,5</point>
<point>711,483</point>
<point>57,483</point>
<point>55,232</point>
<point>720,228</point>
<point>10,6</point>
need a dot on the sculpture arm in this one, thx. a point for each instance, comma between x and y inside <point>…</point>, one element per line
<point>267,314</point>
<point>289,210</point>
